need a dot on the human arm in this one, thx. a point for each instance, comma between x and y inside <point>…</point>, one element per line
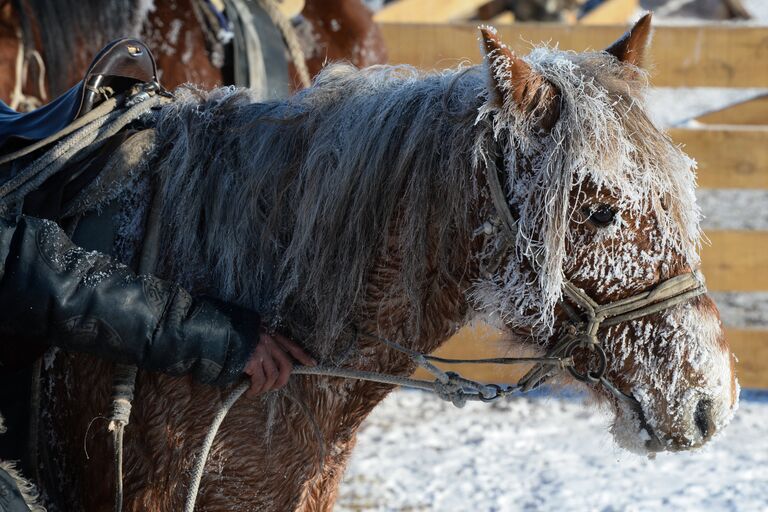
<point>84,301</point>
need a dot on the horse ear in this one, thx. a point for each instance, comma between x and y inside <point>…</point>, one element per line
<point>631,47</point>
<point>514,84</point>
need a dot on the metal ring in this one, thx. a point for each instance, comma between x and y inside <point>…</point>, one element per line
<point>589,375</point>
<point>495,397</point>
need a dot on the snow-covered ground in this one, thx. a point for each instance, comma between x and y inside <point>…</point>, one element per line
<point>417,453</point>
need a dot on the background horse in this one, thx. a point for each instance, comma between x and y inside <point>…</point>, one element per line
<point>66,34</point>
<point>362,205</point>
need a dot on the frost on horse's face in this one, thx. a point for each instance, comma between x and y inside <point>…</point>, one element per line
<point>604,199</point>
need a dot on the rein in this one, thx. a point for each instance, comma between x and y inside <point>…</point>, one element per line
<point>581,329</point>
<point>580,333</point>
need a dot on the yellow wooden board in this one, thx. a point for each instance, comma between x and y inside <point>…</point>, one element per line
<point>428,11</point>
<point>505,17</point>
<point>611,12</point>
<point>736,261</point>
<point>750,112</point>
<point>704,55</point>
<point>750,347</point>
<point>728,156</point>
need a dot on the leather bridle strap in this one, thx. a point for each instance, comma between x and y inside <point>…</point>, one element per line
<point>581,331</point>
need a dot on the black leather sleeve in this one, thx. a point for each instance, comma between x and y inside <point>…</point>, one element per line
<point>84,301</point>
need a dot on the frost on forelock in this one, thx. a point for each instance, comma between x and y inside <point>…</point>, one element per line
<point>602,137</point>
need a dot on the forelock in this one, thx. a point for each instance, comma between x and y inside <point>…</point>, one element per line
<point>602,137</point>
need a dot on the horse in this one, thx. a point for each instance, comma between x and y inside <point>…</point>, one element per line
<point>59,38</point>
<point>364,205</point>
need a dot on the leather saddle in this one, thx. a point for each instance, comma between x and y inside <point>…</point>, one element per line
<point>116,68</point>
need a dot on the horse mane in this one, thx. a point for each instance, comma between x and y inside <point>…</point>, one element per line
<point>306,193</point>
<point>602,138</point>
<point>77,29</point>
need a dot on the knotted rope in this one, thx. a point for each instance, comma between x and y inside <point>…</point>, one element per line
<point>123,384</point>
<point>449,386</point>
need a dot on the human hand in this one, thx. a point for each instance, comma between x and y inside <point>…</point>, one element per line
<point>271,363</point>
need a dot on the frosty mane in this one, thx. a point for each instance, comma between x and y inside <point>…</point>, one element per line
<point>602,137</point>
<point>307,193</point>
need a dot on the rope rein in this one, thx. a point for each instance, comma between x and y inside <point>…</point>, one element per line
<point>88,133</point>
<point>449,386</point>
<point>291,39</point>
<point>580,333</point>
<point>20,101</point>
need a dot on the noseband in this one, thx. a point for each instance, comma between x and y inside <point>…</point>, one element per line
<point>580,331</point>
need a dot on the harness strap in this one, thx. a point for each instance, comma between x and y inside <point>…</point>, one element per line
<point>583,331</point>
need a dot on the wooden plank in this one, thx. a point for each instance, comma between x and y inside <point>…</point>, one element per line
<point>611,12</point>
<point>505,17</point>
<point>750,347</point>
<point>428,11</point>
<point>728,156</point>
<point>702,56</point>
<point>750,112</point>
<point>736,261</point>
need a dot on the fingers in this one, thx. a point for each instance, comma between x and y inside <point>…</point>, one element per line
<point>270,373</point>
<point>254,369</point>
<point>270,366</point>
<point>284,367</point>
<point>295,350</point>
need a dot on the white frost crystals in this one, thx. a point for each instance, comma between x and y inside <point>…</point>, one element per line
<point>604,150</point>
<point>602,138</point>
<point>680,373</point>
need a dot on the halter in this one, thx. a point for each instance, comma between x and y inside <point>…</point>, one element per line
<point>580,333</point>
<point>582,327</point>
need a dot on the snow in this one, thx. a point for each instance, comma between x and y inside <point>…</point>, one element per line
<point>543,453</point>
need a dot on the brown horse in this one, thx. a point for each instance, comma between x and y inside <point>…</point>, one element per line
<point>68,33</point>
<point>363,205</point>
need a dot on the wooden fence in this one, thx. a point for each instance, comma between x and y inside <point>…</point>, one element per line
<point>731,145</point>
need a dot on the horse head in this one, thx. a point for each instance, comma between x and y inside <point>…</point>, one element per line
<point>604,202</point>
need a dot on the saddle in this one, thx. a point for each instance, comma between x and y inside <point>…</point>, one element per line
<point>116,68</point>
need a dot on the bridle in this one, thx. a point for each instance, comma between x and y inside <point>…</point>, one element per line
<point>579,332</point>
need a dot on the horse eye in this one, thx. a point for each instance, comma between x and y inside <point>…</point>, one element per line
<point>602,215</point>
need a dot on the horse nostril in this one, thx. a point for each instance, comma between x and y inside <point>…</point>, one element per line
<point>702,417</point>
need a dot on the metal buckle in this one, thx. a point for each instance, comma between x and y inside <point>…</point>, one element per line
<point>602,361</point>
